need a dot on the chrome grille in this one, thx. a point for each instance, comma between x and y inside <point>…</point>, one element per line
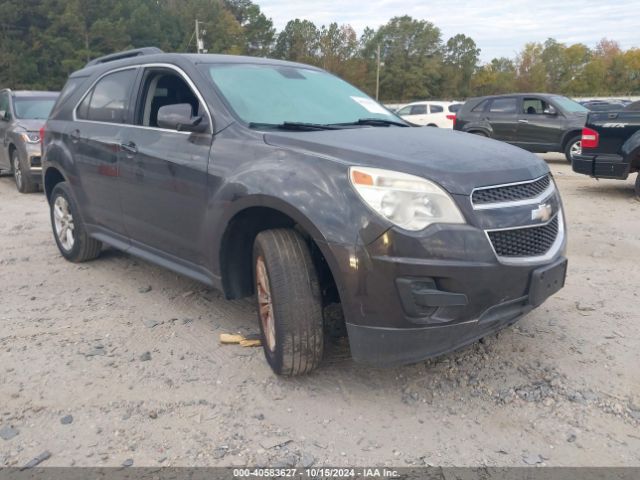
<point>510,193</point>
<point>525,242</point>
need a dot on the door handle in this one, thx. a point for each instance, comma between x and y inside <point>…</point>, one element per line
<point>75,136</point>
<point>129,147</point>
<point>523,121</point>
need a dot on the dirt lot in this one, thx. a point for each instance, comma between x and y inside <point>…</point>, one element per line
<point>130,352</point>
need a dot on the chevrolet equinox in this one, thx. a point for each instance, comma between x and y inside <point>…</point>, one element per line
<point>265,177</point>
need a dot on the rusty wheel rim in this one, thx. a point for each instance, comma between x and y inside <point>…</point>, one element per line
<point>265,305</point>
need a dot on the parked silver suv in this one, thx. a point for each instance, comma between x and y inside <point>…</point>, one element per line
<point>22,114</point>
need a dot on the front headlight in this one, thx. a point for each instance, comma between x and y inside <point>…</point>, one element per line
<point>30,137</point>
<point>410,202</point>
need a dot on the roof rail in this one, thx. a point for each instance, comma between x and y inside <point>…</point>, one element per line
<point>126,54</point>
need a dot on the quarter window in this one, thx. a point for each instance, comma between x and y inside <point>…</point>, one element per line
<point>108,100</point>
<point>503,105</point>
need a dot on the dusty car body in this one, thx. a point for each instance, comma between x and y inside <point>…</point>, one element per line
<point>429,239</point>
<point>22,114</point>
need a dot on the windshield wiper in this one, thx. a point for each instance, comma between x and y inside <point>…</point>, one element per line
<point>303,126</point>
<point>374,122</point>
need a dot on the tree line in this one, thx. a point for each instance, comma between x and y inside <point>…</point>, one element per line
<point>42,41</point>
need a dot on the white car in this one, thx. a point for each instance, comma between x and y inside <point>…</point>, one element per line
<point>430,114</point>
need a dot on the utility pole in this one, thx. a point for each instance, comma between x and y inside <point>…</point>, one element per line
<point>378,74</point>
<point>198,41</point>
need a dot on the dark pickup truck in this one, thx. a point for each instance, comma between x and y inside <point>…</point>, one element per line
<point>611,146</point>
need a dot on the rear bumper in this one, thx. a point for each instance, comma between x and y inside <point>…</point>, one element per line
<point>601,166</point>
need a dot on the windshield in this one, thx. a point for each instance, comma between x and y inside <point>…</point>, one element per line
<point>31,108</point>
<point>273,95</point>
<point>569,105</point>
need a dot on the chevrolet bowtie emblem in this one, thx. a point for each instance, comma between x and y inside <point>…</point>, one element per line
<point>542,213</point>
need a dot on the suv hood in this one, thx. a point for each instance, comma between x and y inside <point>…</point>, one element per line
<point>30,125</point>
<point>458,161</point>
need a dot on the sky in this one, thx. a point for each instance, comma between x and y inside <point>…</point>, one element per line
<point>499,27</point>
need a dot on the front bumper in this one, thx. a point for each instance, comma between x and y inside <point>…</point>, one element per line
<point>393,346</point>
<point>33,155</point>
<point>601,166</point>
<point>410,297</point>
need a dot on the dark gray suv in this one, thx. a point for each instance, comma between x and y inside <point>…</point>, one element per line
<point>22,114</point>
<point>265,177</point>
<point>537,122</point>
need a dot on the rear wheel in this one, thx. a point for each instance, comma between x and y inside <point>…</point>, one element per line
<point>573,147</point>
<point>22,177</point>
<point>479,133</point>
<point>289,302</point>
<point>68,230</point>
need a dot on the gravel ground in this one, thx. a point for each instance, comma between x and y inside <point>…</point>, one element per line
<point>117,362</point>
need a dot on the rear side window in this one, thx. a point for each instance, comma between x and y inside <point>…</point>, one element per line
<point>418,110</point>
<point>503,105</point>
<point>455,107</point>
<point>436,109</point>
<point>481,106</point>
<point>108,100</point>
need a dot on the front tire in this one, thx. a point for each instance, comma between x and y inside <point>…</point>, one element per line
<point>289,302</point>
<point>68,230</point>
<point>573,147</point>
<point>21,176</point>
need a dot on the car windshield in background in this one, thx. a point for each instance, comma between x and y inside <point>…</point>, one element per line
<point>569,105</point>
<point>264,95</point>
<point>33,108</point>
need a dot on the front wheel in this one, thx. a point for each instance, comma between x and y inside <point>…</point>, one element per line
<point>573,148</point>
<point>22,177</point>
<point>289,302</point>
<point>68,229</point>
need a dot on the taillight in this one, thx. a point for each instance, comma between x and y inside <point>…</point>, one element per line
<point>590,138</point>
<point>452,118</point>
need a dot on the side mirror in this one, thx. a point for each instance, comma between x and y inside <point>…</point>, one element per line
<point>4,115</point>
<point>179,117</point>
<point>550,110</point>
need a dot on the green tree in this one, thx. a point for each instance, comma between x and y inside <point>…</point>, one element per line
<point>259,34</point>
<point>298,42</point>
<point>461,55</point>
<point>497,77</point>
<point>411,51</point>
<point>531,70</point>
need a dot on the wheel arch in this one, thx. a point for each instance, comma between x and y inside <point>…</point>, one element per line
<point>264,213</point>
<point>52,176</point>
<point>568,136</point>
